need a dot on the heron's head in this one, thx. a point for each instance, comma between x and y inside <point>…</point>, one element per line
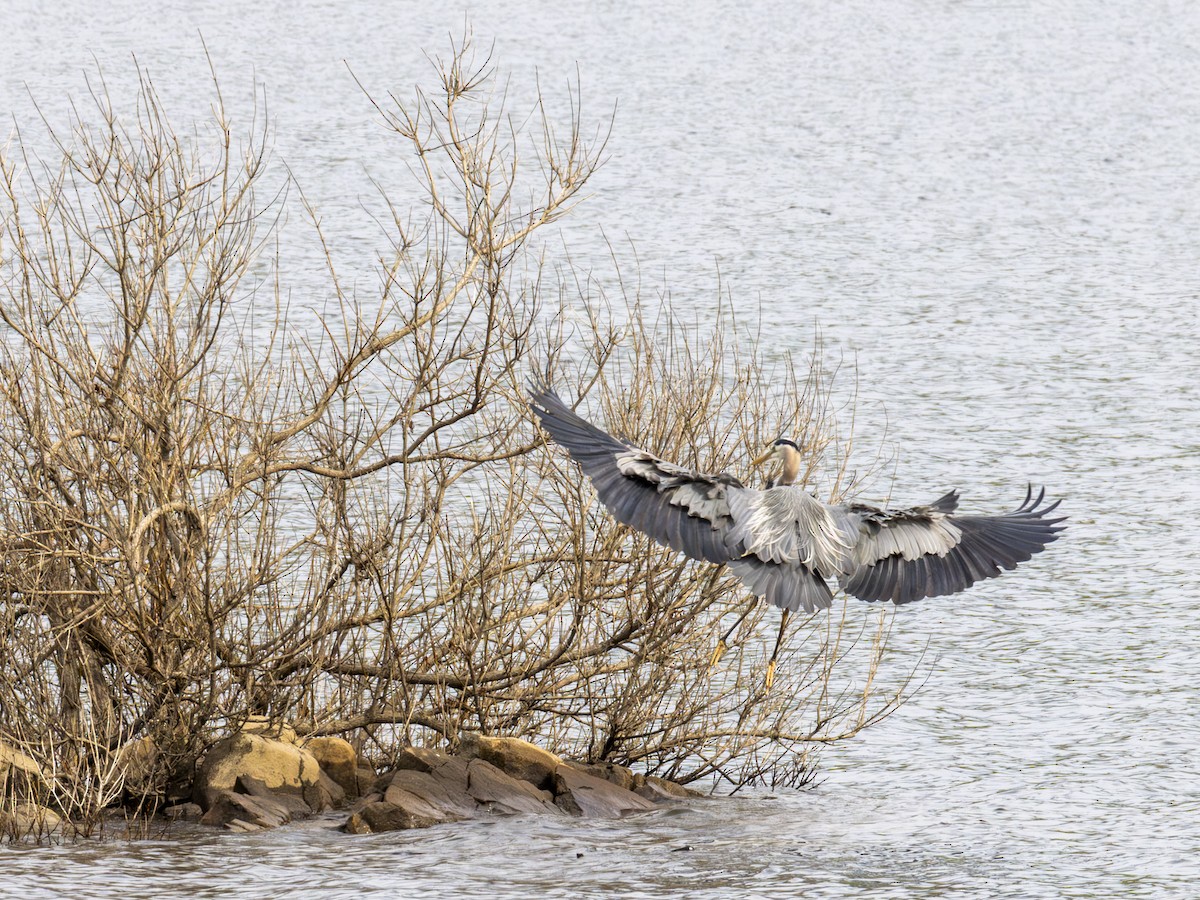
<point>787,454</point>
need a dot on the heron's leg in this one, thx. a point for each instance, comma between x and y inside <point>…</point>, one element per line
<point>722,644</point>
<point>783,620</point>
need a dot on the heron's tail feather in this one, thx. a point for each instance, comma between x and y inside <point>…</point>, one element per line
<point>787,585</point>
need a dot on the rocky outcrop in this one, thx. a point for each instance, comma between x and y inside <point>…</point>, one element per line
<point>430,787</point>
<point>259,779</point>
<point>499,776</point>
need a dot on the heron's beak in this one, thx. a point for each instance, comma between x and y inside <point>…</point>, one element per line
<point>764,458</point>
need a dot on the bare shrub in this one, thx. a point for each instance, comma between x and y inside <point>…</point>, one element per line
<point>210,511</point>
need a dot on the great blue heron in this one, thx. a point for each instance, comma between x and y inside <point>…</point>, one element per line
<point>785,544</point>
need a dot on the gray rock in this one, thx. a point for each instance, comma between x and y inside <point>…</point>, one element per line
<point>513,756</point>
<point>501,793</point>
<point>422,759</point>
<point>184,812</point>
<point>366,778</point>
<point>365,800</point>
<point>242,812</point>
<point>619,775</point>
<point>335,792</point>
<point>444,794</point>
<point>295,804</point>
<point>581,794</point>
<point>384,816</point>
<point>658,789</point>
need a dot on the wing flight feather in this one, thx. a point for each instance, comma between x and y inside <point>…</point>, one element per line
<point>927,551</point>
<point>685,510</point>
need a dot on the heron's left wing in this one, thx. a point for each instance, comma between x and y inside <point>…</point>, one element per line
<point>678,507</point>
<point>928,551</point>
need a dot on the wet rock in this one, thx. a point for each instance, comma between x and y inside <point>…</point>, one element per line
<point>499,792</point>
<point>369,797</point>
<point>445,794</point>
<point>581,794</point>
<point>513,756</point>
<point>242,827</point>
<point>384,816</point>
<point>339,761</point>
<point>243,812</point>
<point>183,812</point>
<point>281,767</point>
<point>659,789</point>
<point>619,775</point>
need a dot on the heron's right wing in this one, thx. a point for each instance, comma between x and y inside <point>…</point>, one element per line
<point>929,551</point>
<point>680,508</point>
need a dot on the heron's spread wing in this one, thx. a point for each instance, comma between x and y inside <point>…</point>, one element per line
<point>685,510</point>
<point>927,551</point>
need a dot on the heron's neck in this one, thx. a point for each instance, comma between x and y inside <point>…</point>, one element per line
<point>791,467</point>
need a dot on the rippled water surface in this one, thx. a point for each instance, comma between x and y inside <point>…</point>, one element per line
<point>991,210</point>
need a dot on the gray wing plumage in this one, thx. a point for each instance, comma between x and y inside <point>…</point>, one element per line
<point>789,586</point>
<point>685,510</point>
<point>783,543</point>
<point>929,551</point>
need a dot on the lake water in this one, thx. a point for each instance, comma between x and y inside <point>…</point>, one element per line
<point>991,210</point>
